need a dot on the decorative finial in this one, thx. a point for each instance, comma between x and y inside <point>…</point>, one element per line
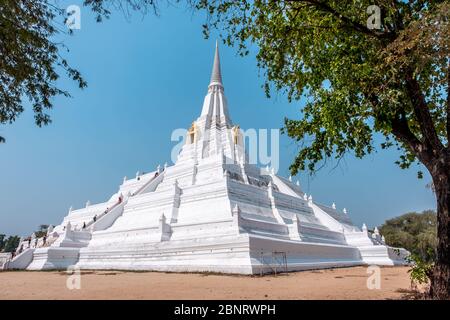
<point>137,174</point>
<point>88,203</point>
<point>124,179</point>
<point>158,168</point>
<point>364,227</point>
<point>216,75</point>
<point>165,165</point>
<point>290,178</point>
<point>344,211</point>
<point>297,183</point>
<point>305,196</point>
<point>272,171</point>
<point>333,206</point>
<point>71,209</point>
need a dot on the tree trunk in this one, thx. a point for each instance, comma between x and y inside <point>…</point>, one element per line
<point>440,280</point>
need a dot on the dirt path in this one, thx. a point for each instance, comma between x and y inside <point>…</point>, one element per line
<point>346,283</point>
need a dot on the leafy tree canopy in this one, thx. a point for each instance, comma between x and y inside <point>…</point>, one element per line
<point>413,231</point>
<point>31,57</point>
<point>10,244</point>
<point>357,81</point>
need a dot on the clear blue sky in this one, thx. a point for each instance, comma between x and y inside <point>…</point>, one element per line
<point>148,76</point>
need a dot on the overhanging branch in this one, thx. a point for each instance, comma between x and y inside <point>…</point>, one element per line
<point>448,107</point>
<point>356,26</point>
<point>401,130</point>
<point>422,113</point>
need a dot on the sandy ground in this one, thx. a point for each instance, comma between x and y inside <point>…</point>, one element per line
<point>345,283</point>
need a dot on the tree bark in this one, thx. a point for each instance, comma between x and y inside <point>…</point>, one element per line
<point>440,280</point>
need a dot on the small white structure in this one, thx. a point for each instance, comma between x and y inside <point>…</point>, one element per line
<point>210,211</point>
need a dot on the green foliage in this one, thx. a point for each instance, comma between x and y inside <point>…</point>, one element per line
<point>30,58</point>
<point>415,232</point>
<point>31,54</point>
<point>42,231</point>
<point>421,270</point>
<point>2,241</point>
<point>103,7</point>
<point>11,243</point>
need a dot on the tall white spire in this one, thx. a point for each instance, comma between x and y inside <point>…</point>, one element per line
<point>216,75</point>
<point>213,134</point>
<point>215,104</point>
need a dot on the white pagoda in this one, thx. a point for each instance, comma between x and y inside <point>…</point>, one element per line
<point>212,211</point>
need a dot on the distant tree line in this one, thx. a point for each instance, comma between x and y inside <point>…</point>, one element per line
<point>42,231</point>
<point>413,231</point>
<point>8,244</point>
